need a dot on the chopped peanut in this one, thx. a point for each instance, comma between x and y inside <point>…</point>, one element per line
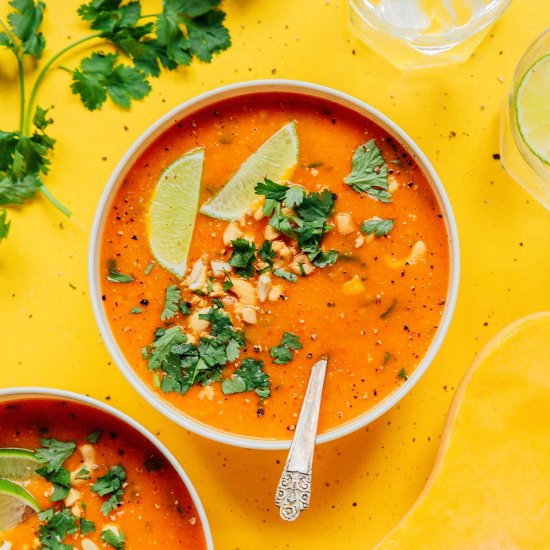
<point>274,293</point>
<point>196,324</point>
<point>353,287</point>
<point>359,240</point>
<point>301,265</point>
<point>418,252</point>
<point>219,268</point>
<point>244,291</point>
<point>393,186</point>
<point>87,544</point>
<point>207,393</point>
<point>5,545</point>
<point>217,291</point>
<point>197,277</point>
<point>282,251</point>
<point>87,452</point>
<point>76,510</point>
<point>231,233</point>
<point>248,315</point>
<point>270,233</point>
<point>263,287</point>
<point>344,223</point>
<point>72,497</point>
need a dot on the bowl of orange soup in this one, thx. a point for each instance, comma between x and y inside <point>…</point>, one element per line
<point>256,228</point>
<point>76,473</point>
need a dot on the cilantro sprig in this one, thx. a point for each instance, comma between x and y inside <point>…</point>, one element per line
<point>377,226</point>
<point>250,376</point>
<point>144,44</point>
<point>116,540</point>
<point>282,353</point>
<point>52,454</point>
<point>369,172</point>
<point>111,484</point>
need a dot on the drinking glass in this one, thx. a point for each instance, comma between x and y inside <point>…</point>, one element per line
<point>424,33</point>
<point>519,158</point>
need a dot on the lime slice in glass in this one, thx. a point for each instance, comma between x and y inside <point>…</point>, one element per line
<point>173,211</point>
<point>18,464</point>
<point>532,104</point>
<point>16,504</point>
<point>275,159</point>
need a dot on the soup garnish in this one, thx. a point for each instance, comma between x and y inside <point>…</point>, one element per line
<point>345,255</point>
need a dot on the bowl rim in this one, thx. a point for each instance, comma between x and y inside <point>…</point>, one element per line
<point>193,105</point>
<point>40,392</point>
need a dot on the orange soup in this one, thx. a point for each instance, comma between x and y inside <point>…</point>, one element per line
<point>347,258</point>
<point>100,484</point>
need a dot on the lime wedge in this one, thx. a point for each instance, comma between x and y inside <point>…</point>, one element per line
<point>533,108</point>
<point>17,464</point>
<point>16,504</point>
<point>173,211</point>
<point>275,159</point>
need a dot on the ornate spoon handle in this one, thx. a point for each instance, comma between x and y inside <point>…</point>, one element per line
<point>294,489</point>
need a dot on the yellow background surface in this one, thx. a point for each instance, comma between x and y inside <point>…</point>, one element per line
<point>364,483</point>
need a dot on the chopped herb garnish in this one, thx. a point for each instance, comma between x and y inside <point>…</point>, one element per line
<point>402,374</point>
<point>294,196</point>
<point>377,226</point>
<point>243,256</point>
<point>53,453</point>
<point>228,283</point>
<point>171,302</point>
<point>369,173</point>
<point>388,311</point>
<point>287,276</point>
<point>115,540</point>
<point>282,353</point>
<point>136,310</point>
<point>86,526</point>
<point>115,276</point>
<point>94,436</point>
<point>149,268</point>
<point>267,255</point>
<point>250,376</point>
<point>387,357</point>
<point>83,473</point>
<point>111,484</point>
<point>184,308</point>
<point>58,525</point>
<point>4,225</point>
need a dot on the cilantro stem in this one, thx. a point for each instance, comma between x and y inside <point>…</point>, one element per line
<point>42,74</point>
<point>54,201</point>
<point>21,93</point>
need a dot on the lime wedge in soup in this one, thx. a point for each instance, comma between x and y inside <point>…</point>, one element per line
<point>173,211</point>
<point>275,159</point>
<point>532,104</point>
<point>16,504</point>
<point>18,464</point>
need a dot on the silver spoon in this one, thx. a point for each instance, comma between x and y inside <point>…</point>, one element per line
<point>294,489</point>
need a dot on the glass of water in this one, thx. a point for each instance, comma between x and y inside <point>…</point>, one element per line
<point>525,123</point>
<point>424,33</point>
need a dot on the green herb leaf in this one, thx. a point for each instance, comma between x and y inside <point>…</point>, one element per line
<point>266,254</point>
<point>271,190</point>
<point>115,540</point>
<point>377,226</point>
<point>53,453</point>
<point>388,311</point>
<point>171,302</point>
<point>316,207</point>
<point>243,257</point>
<point>94,436</point>
<point>61,480</point>
<point>250,376</point>
<point>24,23</point>
<point>57,526</point>
<point>4,225</point>
<point>111,484</point>
<point>86,527</point>
<point>136,310</point>
<point>286,275</point>
<point>100,76</point>
<point>83,473</point>
<point>402,374</point>
<point>369,173</point>
<point>162,348</point>
<point>294,196</point>
<point>116,276</point>
<point>282,353</point>
<point>149,268</point>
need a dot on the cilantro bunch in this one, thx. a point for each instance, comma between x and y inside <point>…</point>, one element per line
<point>140,46</point>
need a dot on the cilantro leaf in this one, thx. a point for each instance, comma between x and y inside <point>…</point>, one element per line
<point>369,173</point>
<point>316,207</point>
<point>207,35</point>
<point>388,311</point>
<point>115,276</point>
<point>162,348</point>
<point>115,540</point>
<point>57,526</point>
<point>53,453</point>
<point>99,75</point>
<point>266,254</point>
<point>136,310</point>
<point>286,275</point>
<point>324,259</point>
<point>282,353</point>
<point>294,196</point>
<point>24,23</point>
<point>86,527</point>
<point>249,376</point>
<point>111,484</point>
<point>271,190</point>
<point>4,225</point>
<point>61,480</point>
<point>402,374</point>
<point>94,436</point>
<point>242,257</point>
<point>171,302</point>
<point>377,226</point>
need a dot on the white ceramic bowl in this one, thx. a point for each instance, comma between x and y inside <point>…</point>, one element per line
<point>23,393</point>
<point>204,100</point>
